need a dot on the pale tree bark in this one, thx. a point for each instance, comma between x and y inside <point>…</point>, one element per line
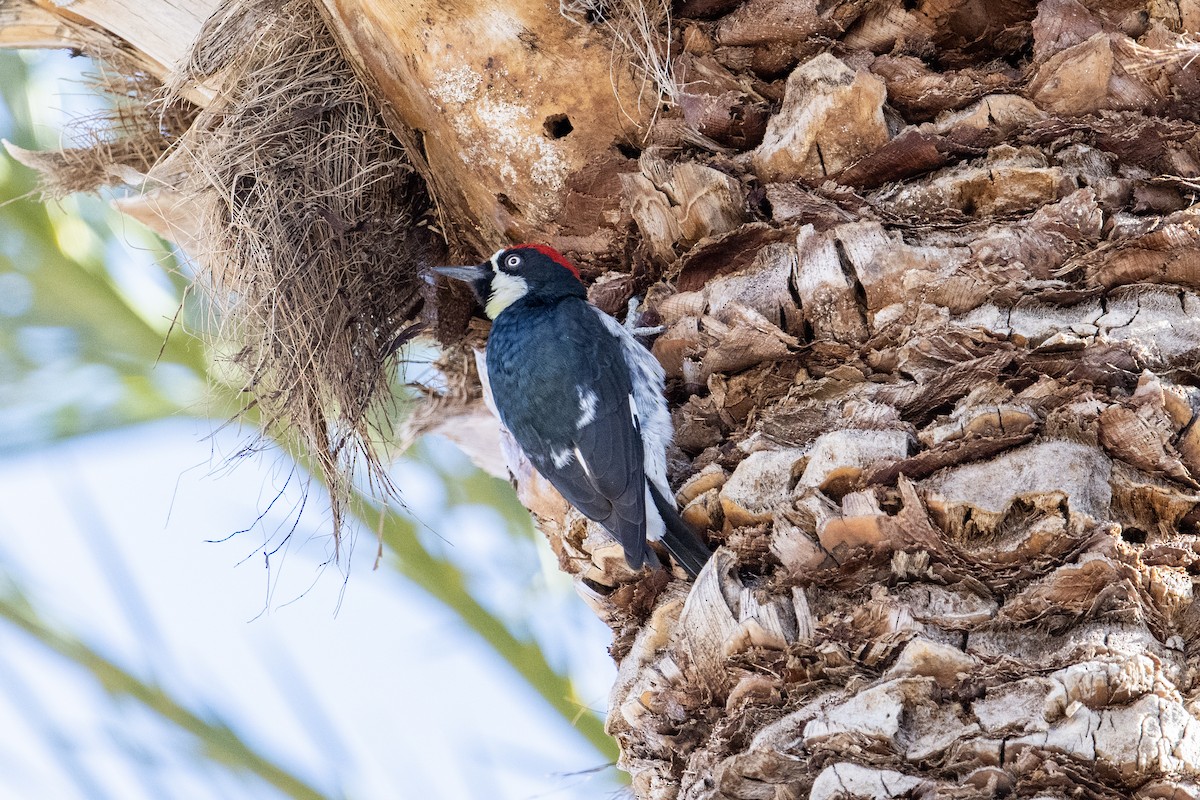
<point>930,282</point>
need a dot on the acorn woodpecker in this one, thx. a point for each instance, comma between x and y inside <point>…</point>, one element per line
<point>583,399</point>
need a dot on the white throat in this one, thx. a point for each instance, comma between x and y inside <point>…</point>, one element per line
<point>506,290</point>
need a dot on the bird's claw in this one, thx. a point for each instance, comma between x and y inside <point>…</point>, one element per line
<point>633,317</point>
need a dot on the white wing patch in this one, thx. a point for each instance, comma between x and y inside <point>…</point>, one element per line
<point>588,401</point>
<point>563,457</point>
<point>506,290</point>
<point>586,469</point>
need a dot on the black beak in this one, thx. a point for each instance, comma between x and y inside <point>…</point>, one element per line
<point>468,274</point>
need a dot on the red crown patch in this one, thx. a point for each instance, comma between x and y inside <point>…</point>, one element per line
<point>552,254</point>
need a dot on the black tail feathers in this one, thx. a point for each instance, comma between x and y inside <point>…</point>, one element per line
<point>681,541</point>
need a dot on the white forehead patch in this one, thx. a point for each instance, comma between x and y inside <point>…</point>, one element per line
<point>506,290</point>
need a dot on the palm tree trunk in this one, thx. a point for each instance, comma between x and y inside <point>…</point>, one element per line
<point>931,291</point>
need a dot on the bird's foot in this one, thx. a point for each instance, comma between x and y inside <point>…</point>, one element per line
<point>633,317</point>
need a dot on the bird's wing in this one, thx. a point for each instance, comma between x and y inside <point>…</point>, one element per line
<point>596,462</point>
<point>608,464</point>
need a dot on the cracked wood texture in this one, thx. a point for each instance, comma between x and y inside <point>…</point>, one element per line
<point>929,276</point>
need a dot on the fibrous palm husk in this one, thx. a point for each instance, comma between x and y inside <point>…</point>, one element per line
<point>312,238</point>
<point>122,141</point>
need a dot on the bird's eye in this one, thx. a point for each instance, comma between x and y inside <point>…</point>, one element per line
<point>513,261</point>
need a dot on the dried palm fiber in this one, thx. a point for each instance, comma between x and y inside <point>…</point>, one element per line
<point>121,142</point>
<point>310,241</point>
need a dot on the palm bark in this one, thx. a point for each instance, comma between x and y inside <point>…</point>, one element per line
<point>929,276</point>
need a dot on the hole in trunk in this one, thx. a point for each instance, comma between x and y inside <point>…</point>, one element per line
<point>557,126</point>
<point>508,204</point>
<point>628,150</point>
<point>1133,535</point>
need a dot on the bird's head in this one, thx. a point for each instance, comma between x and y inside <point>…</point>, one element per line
<point>516,272</point>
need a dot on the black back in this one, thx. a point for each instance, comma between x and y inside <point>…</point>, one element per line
<point>543,355</point>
